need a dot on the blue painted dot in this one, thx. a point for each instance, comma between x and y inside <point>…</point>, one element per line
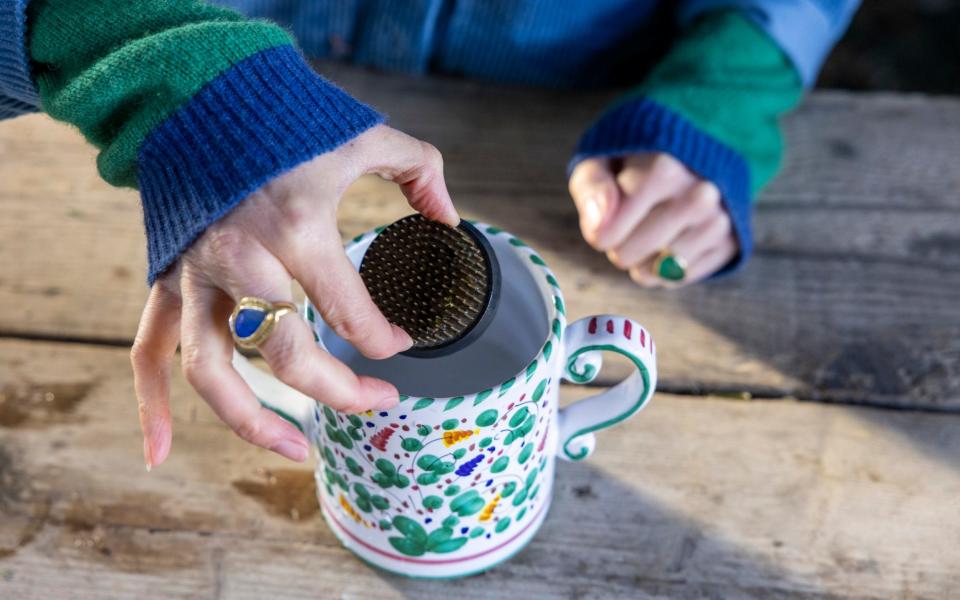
<point>383,414</point>
<point>489,482</point>
<point>428,520</point>
<point>491,449</point>
<point>366,447</point>
<point>402,417</point>
<point>522,443</point>
<point>370,424</point>
<point>464,530</point>
<point>488,536</point>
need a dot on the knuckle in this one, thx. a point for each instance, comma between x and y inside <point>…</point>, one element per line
<point>248,429</point>
<point>193,364</point>
<point>705,196</point>
<point>140,356</point>
<point>224,244</point>
<point>432,156</point>
<point>666,165</point>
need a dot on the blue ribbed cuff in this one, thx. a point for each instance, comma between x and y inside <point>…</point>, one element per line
<point>260,118</point>
<point>18,94</point>
<point>645,126</point>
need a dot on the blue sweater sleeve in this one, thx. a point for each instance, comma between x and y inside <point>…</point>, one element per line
<point>805,30</point>
<point>17,92</point>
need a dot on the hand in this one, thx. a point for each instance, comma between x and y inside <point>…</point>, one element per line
<point>632,208</point>
<point>285,231</point>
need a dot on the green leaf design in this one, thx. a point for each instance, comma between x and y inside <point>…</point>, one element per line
<point>518,416</point>
<point>559,304</point>
<point>353,466</point>
<point>453,403</point>
<point>472,506</point>
<point>328,456</point>
<point>451,521</point>
<point>442,467</point>
<point>328,414</point>
<point>537,260</point>
<point>401,481</point>
<point>522,512</point>
<point>538,393</point>
<point>500,464</point>
<point>411,444</point>
<point>482,396</point>
<point>520,497</point>
<point>452,490</point>
<point>532,476</point>
<point>527,426</point>
<point>344,440</point>
<point>408,546</point>
<point>422,403</point>
<point>557,329</point>
<point>355,421</point>
<point>509,438</point>
<point>438,536</point>
<point>494,230</point>
<point>432,502</point>
<point>547,350</point>
<point>486,442</point>
<point>426,461</point>
<point>525,454</point>
<point>331,432</point>
<point>383,480</point>
<point>380,502</point>
<point>508,489</point>
<point>462,499</point>
<point>502,524</point>
<point>533,494</point>
<point>458,453</point>
<point>423,430</point>
<point>450,424</point>
<point>355,433</point>
<point>531,369</point>
<point>385,525</point>
<point>428,478</point>
<point>361,490</point>
<point>506,386</point>
<point>450,545</point>
<point>386,467</point>
<point>410,528</point>
<point>516,242</point>
<point>552,280</point>
<point>487,417</point>
<point>476,532</point>
<point>363,504</point>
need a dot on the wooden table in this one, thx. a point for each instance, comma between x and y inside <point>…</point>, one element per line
<point>805,443</point>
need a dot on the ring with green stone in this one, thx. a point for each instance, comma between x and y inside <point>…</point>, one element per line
<point>669,266</point>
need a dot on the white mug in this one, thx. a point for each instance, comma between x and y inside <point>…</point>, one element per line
<point>458,477</point>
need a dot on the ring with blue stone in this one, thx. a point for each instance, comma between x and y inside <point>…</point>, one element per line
<point>253,320</point>
<point>669,266</point>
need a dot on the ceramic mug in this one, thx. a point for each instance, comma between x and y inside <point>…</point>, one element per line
<point>458,477</point>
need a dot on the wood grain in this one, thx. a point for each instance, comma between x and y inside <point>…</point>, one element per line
<point>694,498</point>
<point>851,296</point>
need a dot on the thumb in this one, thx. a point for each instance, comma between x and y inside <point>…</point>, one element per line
<point>417,167</point>
<point>595,193</point>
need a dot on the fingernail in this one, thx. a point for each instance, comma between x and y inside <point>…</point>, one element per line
<point>291,449</point>
<point>388,402</point>
<point>147,456</point>
<point>593,210</point>
<point>407,340</point>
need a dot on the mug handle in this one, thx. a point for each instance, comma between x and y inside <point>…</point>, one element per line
<point>294,406</point>
<point>585,340</point>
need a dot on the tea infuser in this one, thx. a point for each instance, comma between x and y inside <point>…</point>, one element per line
<point>438,283</point>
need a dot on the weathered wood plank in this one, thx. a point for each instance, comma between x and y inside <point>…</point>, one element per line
<point>694,498</point>
<point>851,296</point>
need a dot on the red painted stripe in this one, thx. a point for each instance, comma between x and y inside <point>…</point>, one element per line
<point>610,326</point>
<point>627,328</point>
<point>421,561</point>
<point>592,328</point>
<point>643,338</point>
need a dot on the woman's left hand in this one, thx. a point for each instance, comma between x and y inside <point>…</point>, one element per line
<point>635,207</point>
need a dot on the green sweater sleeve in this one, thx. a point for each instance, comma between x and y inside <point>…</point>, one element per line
<point>734,83</point>
<point>117,68</point>
<point>714,102</point>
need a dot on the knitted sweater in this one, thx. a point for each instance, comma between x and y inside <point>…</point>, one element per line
<point>198,106</point>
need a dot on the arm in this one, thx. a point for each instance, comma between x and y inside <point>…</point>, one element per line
<point>241,154</point>
<point>713,105</point>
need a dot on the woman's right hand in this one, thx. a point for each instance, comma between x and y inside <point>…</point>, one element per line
<point>285,231</point>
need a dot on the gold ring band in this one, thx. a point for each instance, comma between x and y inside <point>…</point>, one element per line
<point>253,320</point>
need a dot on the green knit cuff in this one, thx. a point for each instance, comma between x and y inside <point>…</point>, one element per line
<point>733,82</point>
<point>116,69</point>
